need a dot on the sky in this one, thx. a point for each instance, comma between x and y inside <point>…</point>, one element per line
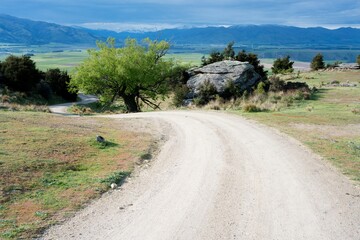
<point>121,15</point>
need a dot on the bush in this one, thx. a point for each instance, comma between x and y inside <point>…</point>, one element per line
<point>116,177</point>
<point>260,89</point>
<point>207,92</point>
<point>276,84</point>
<point>215,56</point>
<point>59,81</point>
<point>253,60</point>
<point>230,91</point>
<point>80,109</point>
<point>44,89</point>
<point>180,94</point>
<point>250,107</point>
<point>20,73</point>
<point>282,65</point>
<point>317,62</point>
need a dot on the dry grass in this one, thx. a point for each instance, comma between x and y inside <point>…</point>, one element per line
<point>50,166</point>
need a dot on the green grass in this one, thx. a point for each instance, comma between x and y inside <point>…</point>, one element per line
<point>64,60</point>
<point>188,58</point>
<point>327,123</point>
<point>50,166</point>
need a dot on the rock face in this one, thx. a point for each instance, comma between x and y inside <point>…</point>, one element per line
<point>242,74</point>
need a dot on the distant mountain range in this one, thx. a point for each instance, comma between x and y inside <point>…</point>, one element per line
<point>251,34</point>
<point>17,30</point>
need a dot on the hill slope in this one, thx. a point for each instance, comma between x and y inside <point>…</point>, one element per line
<point>253,34</point>
<point>18,30</point>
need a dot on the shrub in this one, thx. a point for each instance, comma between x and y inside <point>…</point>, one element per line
<point>80,109</point>
<point>207,92</point>
<point>317,62</point>
<point>20,73</point>
<point>116,177</point>
<point>283,65</point>
<point>215,56</point>
<point>260,89</point>
<point>59,81</point>
<point>252,58</point>
<point>230,91</point>
<point>250,107</point>
<point>44,89</point>
<point>180,94</point>
<point>276,84</point>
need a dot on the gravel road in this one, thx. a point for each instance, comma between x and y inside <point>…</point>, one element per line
<point>62,108</point>
<point>219,176</point>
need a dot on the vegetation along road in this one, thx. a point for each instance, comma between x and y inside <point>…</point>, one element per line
<point>219,176</point>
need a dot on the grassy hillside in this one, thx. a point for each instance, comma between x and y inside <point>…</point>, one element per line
<point>51,165</point>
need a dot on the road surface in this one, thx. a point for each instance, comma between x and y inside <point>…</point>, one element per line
<point>62,108</point>
<point>219,176</point>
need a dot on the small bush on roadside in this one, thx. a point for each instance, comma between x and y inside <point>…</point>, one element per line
<point>230,91</point>
<point>180,93</point>
<point>80,109</point>
<point>260,89</point>
<point>207,92</point>
<point>250,107</point>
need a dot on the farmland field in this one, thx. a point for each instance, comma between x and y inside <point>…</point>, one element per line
<point>66,57</point>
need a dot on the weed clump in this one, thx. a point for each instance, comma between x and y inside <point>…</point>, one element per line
<point>250,107</point>
<point>116,177</point>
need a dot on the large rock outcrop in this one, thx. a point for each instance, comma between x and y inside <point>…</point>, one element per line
<point>242,74</point>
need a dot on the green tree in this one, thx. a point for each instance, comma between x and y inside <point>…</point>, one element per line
<point>282,65</point>
<point>317,62</point>
<point>59,83</point>
<point>215,56</point>
<point>20,73</point>
<point>229,52</point>
<point>136,73</point>
<point>252,58</point>
<point>358,60</point>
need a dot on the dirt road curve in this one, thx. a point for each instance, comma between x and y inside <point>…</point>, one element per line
<point>61,108</point>
<point>222,177</point>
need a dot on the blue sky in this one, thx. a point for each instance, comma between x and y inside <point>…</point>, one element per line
<point>158,14</point>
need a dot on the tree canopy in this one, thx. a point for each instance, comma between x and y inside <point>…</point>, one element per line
<point>229,54</point>
<point>59,81</point>
<point>136,73</point>
<point>282,65</point>
<point>20,73</point>
<point>253,59</point>
<point>317,62</point>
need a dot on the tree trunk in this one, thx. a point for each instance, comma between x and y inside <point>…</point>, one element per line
<point>130,103</point>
